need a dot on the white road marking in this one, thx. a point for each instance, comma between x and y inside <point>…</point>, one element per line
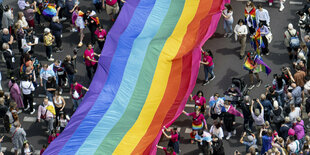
<point>36,152</point>
<point>188,130</point>
<point>30,119</point>
<point>294,2</point>
<point>43,96</point>
<point>189,105</point>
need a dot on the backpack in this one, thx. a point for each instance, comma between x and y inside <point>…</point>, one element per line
<point>294,40</point>
<point>279,118</point>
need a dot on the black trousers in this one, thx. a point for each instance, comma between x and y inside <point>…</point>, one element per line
<point>91,70</point>
<point>265,50</point>
<point>58,41</point>
<point>28,100</point>
<point>100,44</point>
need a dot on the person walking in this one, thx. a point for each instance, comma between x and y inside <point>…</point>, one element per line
<point>241,32</point>
<point>80,24</point>
<point>291,41</point>
<point>8,18</point>
<point>112,8</point>
<point>15,93</point>
<point>92,23</point>
<point>76,94</point>
<point>90,61</point>
<point>56,28</point>
<point>69,68</point>
<point>46,112</point>
<point>59,103</point>
<point>29,13</point>
<point>18,137</point>
<point>303,24</point>
<point>208,65</point>
<point>174,138</point>
<point>250,19</point>
<point>262,16</point>
<point>9,58</point>
<point>48,42</point>
<point>27,88</point>
<point>200,101</point>
<point>263,31</point>
<point>228,20</point>
<point>101,36</point>
<point>251,58</point>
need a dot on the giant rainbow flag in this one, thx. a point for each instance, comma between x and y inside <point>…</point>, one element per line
<point>146,72</point>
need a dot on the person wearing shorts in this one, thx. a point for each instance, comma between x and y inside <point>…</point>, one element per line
<point>111,7</point>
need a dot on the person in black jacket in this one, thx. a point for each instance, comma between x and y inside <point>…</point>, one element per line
<point>56,28</point>
<point>217,146</point>
<point>246,111</point>
<point>69,68</point>
<point>92,23</point>
<point>3,108</point>
<point>9,59</point>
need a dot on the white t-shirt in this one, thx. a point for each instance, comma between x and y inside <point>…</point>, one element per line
<point>228,14</point>
<point>218,132</point>
<point>293,115</point>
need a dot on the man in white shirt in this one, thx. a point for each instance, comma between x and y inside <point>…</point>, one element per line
<point>241,32</point>
<point>262,16</point>
<point>27,88</point>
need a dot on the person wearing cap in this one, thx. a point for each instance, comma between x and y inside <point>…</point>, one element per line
<point>291,32</point>
<point>48,42</point>
<point>277,115</point>
<point>258,117</point>
<point>251,141</point>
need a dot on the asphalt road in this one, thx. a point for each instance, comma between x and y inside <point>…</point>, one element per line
<point>227,65</point>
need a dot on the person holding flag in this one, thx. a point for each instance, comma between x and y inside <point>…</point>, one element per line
<point>254,64</point>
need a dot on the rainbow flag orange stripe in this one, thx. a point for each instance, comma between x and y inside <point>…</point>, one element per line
<point>147,70</point>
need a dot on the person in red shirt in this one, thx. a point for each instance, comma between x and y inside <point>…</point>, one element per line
<point>76,94</point>
<point>52,136</point>
<point>198,123</point>
<point>173,138</point>
<point>43,149</point>
<point>200,101</point>
<point>207,65</point>
<point>90,61</point>
<point>168,151</point>
<point>101,34</point>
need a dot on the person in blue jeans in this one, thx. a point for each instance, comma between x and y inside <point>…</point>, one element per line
<point>208,65</point>
<point>228,20</point>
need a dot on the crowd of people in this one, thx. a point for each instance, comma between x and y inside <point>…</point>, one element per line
<point>28,75</point>
<point>273,122</point>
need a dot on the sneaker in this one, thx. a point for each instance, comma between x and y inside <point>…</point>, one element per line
<point>60,91</point>
<point>270,4</point>
<point>225,35</point>
<point>281,8</point>
<point>73,30</point>
<point>205,83</point>
<point>268,53</point>
<point>63,19</point>
<point>32,111</point>
<point>19,111</point>
<point>228,136</point>
<point>234,132</point>
<point>212,78</point>
<point>59,50</point>
<point>259,83</point>
<point>51,59</point>
<point>66,83</point>
<point>27,108</point>
<point>34,103</point>
<point>229,35</point>
<point>251,87</point>
<point>80,44</point>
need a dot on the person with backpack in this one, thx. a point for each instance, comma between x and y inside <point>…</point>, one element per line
<point>277,115</point>
<point>27,88</point>
<point>291,41</point>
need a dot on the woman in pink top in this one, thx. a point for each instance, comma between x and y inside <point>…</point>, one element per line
<point>90,61</point>
<point>15,93</point>
<point>198,122</point>
<point>101,34</point>
<point>200,101</point>
<point>208,65</point>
